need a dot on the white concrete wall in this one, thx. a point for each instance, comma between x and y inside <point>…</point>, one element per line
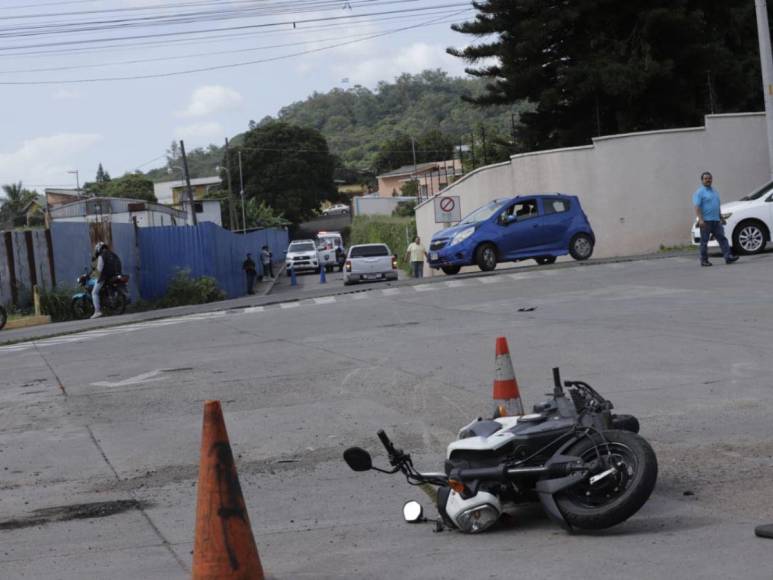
<point>636,189</point>
<point>377,205</point>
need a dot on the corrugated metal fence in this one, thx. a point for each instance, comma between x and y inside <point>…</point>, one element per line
<point>150,256</point>
<point>206,250</point>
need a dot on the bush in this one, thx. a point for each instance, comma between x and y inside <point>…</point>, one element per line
<point>396,232</point>
<point>56,303</point>
<point>405,209</point>
<point>184,290</point>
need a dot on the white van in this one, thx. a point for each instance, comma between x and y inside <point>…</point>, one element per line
<point>331,251</point>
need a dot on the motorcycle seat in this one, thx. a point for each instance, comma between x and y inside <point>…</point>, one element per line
<point>482,428</point>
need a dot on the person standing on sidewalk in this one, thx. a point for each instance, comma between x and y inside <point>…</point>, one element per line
<point>249,269</point>
<point>265,259</point>
<point>706,203</point>
<point>416,252</point>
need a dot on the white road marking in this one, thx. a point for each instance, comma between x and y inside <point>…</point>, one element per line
<point>521,276</point>
<point>253,309</point>
<point>360,296</point>
<point>286,305</point>
<point>390,291</point>
<point>425,288</point>
<point>490,279</point>
<point>149,377</point>
<point>456,284</point>
<point>325,300</point>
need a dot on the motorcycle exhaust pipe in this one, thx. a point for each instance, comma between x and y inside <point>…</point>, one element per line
<point>504,473</point>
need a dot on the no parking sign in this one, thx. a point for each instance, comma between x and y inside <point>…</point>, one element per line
<point>447,209</point>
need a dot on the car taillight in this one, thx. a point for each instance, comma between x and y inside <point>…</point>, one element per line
<point>394,263</point>
<point>348,265</point>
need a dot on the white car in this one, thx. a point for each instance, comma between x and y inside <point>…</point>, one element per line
<point>302,255</point>
<point>366,262</point>
<point>749,222</point>
<point>337,209</point>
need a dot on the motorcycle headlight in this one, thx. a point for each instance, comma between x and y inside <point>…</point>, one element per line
<point>461,236</point>
<point>477,519</point>
<point>726,216</point>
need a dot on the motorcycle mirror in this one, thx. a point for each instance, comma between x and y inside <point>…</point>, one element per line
<point>413,512</point>
<point>358,459</point>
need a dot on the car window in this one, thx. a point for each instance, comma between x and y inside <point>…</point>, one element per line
<point>368,251</point>
<point>304,247</point>
<point>483,213</point>
<point>555,205</point>
<point>524,209</point>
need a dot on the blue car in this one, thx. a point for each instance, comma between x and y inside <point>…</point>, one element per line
<point>539,227</point>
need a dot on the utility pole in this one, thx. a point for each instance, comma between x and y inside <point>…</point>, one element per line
<point>241,193</point>
<point>77,181</point>
<point>483,138</point>
<point>512,130</point>
<point>766,62</point>
<point>188,184</point>
<point>472,148</point>
<point>231,206</point>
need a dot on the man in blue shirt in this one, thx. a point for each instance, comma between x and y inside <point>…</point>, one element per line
<point>706,202</point>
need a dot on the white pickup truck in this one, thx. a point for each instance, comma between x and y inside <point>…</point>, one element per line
<point>366,262</point>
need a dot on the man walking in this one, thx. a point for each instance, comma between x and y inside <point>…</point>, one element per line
<point>710,222</point>
<point>249,269</point>
<point>416,253</point>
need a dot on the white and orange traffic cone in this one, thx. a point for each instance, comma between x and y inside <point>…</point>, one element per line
<point>507,398</point>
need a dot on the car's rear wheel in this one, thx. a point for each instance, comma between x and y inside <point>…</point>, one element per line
<point>544,260</point>
<point>581,247</point>
<point>450,270</point>
<point>749,237</point>
<point>486,257</point>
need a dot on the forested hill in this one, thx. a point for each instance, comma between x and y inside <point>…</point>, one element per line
<point>356,121</point>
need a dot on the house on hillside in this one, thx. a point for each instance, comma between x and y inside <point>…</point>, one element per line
<point>431,178</point>
<point>34,212</point>
<point>175,193</point>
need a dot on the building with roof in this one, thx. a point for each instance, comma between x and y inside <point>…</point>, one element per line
<point>119,210</point>
<point>431,178</point>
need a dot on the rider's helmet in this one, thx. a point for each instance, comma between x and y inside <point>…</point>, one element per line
<point>98,248</point>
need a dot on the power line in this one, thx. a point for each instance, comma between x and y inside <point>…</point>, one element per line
<point>224,66</point>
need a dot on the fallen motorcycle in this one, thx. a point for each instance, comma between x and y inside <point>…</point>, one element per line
<point>587,467</point>
<point>114,296</point>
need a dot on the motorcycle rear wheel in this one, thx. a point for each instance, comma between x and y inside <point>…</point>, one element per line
<point>617,497</point>
<point>81,307</point>
<point>116,302</point>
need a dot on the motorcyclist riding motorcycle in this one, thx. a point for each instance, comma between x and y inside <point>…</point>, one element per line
<point>108,266</point>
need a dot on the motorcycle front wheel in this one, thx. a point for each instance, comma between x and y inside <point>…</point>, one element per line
<point>81,307</point>
<point>616,497</point>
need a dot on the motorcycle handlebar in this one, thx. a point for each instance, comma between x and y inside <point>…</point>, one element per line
<point>386,443</point>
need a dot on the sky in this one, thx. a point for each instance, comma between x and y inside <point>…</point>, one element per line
<point>85,82</point>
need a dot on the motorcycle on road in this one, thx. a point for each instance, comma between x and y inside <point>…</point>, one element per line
<point>114,296</point>
<point>587,467</point>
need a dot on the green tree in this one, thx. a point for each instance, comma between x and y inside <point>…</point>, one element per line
<point>16,197</point>
<point>131,186</point>
<point>432,145</point>
<point>593,67</point>
<point>286,167</point>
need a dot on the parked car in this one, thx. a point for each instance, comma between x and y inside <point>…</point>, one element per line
<point>331,251</point>
<point>366,262</point>
<point>539,227</point>
<point>302,255</point>
<point>748,222</point>
<point>337,209</point>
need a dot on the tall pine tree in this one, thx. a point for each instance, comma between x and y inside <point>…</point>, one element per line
<point>599,67</point>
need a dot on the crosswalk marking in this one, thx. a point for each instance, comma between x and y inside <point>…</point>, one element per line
<point>325,300</point>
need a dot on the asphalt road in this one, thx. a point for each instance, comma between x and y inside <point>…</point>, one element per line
<point>113,415</point>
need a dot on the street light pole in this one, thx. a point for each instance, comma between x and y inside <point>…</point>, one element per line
<point>241,193</point>
<point>188,184</point>
<point>766,62</point>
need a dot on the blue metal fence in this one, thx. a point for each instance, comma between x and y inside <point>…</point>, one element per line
<point>205,250</point>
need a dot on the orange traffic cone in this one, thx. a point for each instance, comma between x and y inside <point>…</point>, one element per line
<point>224,546</point>
<point>507,398</point>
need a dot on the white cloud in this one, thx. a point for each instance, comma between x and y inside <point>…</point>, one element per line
<point>65,94</point>
<point>410,59</point>
<point>200,133</point>
<point>210,99</point>
<point>45,161</point>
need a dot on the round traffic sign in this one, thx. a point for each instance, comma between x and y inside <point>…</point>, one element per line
<point>447,204</point>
